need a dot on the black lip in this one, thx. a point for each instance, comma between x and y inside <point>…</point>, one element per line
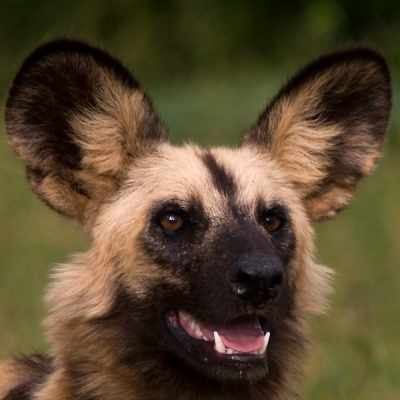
<point>204,352</point>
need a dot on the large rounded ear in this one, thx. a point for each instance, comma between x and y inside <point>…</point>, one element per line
<point>77,118</point>
<point>326,127</point>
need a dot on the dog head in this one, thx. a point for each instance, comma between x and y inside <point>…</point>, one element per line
<point>202,258</point>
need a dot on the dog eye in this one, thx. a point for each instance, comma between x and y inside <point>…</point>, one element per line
<point>272,222</point>
<point>171,221</point>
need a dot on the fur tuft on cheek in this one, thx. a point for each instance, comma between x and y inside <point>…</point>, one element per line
<point>81,290</point>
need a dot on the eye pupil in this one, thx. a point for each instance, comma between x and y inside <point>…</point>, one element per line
<point>272,223</point>
<point>171,222</point>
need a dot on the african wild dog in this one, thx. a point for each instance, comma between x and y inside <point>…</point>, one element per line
<point>199,256</point>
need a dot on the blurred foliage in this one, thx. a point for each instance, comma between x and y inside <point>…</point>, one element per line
<point>175,38</point>
<point>210,67</point>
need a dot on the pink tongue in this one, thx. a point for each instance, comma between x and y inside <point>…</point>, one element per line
<point>244,336</point>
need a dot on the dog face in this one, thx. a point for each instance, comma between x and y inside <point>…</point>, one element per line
<point>201,263</point>
<point>207,252</point>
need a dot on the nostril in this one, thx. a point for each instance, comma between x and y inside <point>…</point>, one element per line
<point>256,277</point>
<point>277,281</point>
<point>244,277</point>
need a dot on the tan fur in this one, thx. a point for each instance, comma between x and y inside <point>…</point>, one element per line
<point>110,168</point>
<point>79,289</point>
<point>295,132</point>
<point>57,387</point>
<point>11,376</point>
<point>118,117</point>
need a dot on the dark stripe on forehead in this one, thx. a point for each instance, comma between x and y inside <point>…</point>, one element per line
<point>221,178</point>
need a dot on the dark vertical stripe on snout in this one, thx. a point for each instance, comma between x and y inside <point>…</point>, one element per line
<point>222,179</point>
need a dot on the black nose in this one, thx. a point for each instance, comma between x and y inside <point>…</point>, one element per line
<point>256,277</point>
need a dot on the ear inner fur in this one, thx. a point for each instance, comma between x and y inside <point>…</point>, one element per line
<point>326,127</point>
<point>77,118</point>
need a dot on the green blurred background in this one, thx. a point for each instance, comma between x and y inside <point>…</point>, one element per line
<point>210,67</point>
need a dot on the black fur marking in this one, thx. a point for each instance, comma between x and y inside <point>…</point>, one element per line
<point>58,81</point>
<point>223,248</point>
<point>140,330</point>
<point>51,87</point>
<point>176,249</point>
<point>222,179</point>
<point>47,93</point>
<point>70,47</point>
<point>151,129</point>
<point>284,239</point>
<point>324,63</point>
<point>338,108</point>
<point>75,184</point>
<point>206,252</point>
<point>135,332</point>
<point>38,368</point>
<point>35,175</point>
<point>21,392</point>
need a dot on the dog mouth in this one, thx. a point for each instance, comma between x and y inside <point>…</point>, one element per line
<point>244,340</point>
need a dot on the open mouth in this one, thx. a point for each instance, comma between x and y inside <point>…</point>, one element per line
<point>242,340</point>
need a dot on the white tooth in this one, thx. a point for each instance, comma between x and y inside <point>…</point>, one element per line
<point>266,340</point>
<point>193,324</point>
<point>219,346</point>
<point>199,333</point>
<point>184,315</point>
<point>204,337</point>
<point>229,351</point>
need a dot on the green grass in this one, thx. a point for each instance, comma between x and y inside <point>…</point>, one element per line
<point>356,350</point>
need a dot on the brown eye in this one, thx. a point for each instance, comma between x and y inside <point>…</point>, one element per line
<point>171,222</point>
<point>272,223</point>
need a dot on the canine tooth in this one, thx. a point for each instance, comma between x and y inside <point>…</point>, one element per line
<point>219,346</point>
<point>266,340</point>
